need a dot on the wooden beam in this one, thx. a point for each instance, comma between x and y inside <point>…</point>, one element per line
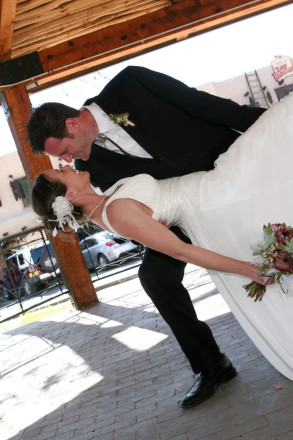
<point>140,35</point>
<point>7,18</point>
<point>19,108</point>
<point>68,254</point>
<point>134,37</point>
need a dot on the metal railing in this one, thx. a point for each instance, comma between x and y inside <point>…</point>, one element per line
<point>29,275</point>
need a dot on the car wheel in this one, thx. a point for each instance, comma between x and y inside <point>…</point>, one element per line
<point>7,295</point>
<point>102,261</point>
<point>29,287</point>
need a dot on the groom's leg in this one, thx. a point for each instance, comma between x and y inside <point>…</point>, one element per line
<point>161,277</point>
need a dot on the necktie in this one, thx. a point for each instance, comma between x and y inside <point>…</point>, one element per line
<point>103,138</point>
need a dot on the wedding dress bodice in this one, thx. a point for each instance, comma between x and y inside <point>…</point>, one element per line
<point>163,197</point>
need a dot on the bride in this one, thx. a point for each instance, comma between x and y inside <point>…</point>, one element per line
<point>223,209</point>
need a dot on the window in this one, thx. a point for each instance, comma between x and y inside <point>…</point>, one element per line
<point>21,259</point>
<point>281,92</point>
<point>82,246</point>
<point>21,190</point>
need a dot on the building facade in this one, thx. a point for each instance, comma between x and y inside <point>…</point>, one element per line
<point>16,213</point>
<point>263,87</point>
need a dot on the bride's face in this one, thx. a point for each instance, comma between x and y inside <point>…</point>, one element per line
<point>72,179</point>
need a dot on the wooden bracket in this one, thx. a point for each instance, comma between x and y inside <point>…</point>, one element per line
<point>19,69</point>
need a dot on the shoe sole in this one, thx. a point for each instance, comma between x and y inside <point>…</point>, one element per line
<point>229,375</point>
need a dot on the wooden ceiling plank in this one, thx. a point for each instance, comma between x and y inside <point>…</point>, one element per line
<point>33,5</point>
<point>56,10</point>
<point>93,14</point>
<point>79,20</point>
<point>28,42</point>
<point>7,18</point>
<point>47,19</point>
<point>39,12</point>
<point>29,10</point>
<point>66,29</point>
<point>173,20</point>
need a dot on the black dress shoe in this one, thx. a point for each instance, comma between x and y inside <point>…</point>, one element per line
<point>208,382</point>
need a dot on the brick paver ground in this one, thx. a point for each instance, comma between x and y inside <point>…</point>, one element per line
<point>115,372</point>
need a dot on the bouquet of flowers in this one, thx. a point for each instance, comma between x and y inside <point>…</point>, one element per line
<point>274,257</point>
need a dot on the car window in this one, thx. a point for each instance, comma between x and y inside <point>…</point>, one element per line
<point>91,242</point>
<point>13,261</point>
<point>82,245</point>
<point>103,234</point>
<point>38,251</point>
<point>21,259</point>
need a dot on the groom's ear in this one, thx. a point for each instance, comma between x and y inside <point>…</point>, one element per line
<point>71,196</point>
<point>71,124</point>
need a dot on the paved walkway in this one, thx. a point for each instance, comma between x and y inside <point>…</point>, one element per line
<point>115,372</point>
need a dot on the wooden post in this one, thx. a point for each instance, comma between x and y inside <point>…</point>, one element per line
<point>68,254</point>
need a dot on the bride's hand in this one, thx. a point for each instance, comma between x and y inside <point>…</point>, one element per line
<point>265,281</point>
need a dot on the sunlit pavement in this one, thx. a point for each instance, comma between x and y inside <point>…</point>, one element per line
<point>57,291</point>
<point>115,371</point>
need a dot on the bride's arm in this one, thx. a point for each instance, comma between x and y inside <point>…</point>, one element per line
<point>130,220</point>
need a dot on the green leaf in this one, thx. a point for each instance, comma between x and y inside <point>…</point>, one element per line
<point>288,247</point>
<point>269,240</point>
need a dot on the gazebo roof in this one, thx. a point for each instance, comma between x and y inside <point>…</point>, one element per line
<point>54,39</point>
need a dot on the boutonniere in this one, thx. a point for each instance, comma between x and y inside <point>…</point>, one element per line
<point>121,119</point>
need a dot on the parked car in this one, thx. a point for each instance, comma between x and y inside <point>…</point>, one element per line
<point>28,270</point>
<point>11,283</point>
<point>103,247</point>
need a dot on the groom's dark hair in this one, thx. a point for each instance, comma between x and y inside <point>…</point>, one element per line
<point>48,120</point>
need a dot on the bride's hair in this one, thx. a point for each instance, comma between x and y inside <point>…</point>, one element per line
<point>44,194</point>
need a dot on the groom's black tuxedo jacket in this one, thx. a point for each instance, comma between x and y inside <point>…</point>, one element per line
<point>184,130</point>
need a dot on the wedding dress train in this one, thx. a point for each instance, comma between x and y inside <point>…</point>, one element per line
<point>225,209</point>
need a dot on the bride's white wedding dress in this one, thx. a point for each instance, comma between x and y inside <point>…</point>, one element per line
<point>225,209</point>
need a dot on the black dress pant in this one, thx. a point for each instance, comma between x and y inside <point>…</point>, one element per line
<point>161,277</point>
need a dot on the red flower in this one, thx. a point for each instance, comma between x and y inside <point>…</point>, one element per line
<point>283,235</point>
<point>282,232</point>
<point>283,261</point>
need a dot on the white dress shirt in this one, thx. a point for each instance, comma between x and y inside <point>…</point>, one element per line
<point>115,133</point>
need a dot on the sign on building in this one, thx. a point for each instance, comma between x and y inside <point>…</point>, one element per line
<point>282,67</point>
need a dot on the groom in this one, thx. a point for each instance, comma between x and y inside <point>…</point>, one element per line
<point>147,122</point>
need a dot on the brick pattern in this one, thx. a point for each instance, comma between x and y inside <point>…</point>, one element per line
<point>115,372</point>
